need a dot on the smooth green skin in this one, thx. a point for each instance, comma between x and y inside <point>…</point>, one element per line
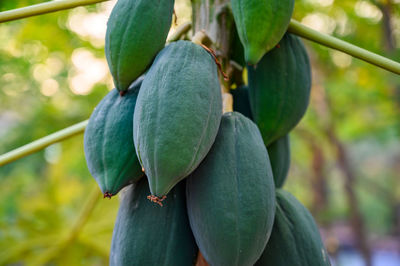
<point>279,155</point>
<point>279,88</point>
<point>241,102</point>
<point>295,238</point>
<point>148,234</point>
<point>177,114</point>
<point>108,144</point>
<point>261,24</point>
<point>136,32</point>
<point>231,196</point>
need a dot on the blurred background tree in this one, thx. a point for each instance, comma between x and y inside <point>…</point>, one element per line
<point>345,152</point>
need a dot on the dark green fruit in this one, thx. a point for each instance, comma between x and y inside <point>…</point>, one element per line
<point>279,155</point>
<point>241,102</point>
<point>231,195</point>
<point>177,114</point>
<point>148,234</point>
<point>279,88</point>
<point>261,24</point>
<point>109,149</point>
<point>295,239</point>
<point>136,32</point>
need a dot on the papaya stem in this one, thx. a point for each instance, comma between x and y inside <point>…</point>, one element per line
<point>180,31</point>
<point>43,8</point>
<point>301,30</point>
<point>42,143</point>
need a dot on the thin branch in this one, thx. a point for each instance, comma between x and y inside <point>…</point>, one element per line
<point>42,143</point>
<point>43,8</point>
<point>299,29</point>
<point>179,32</point>
<point>81,221</point>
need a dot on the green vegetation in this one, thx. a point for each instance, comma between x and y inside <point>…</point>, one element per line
<point>53,73</point>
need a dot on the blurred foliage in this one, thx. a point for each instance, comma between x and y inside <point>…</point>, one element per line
<point>53,73</point>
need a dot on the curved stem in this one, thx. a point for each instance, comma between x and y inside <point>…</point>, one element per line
<point>43,8</point>
<point>80,222</point>
<point>179,32</point>
<point>42,143</point>
<point>299,29</point>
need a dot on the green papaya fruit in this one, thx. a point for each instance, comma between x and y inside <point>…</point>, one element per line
<point>295,238</point>
<point>279,88</point>
<point>261,24</point>
<point>279,155</point>
<point>136,32</point>
<point>241,102</point>
<point>108,144</point>
<point>147,234</point>
<point>177,114</point>
<point>231,195</point>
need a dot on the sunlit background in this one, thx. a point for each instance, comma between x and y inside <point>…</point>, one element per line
<point>345,152</point>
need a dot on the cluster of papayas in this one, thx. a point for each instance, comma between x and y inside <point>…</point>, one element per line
<point>210,178</point>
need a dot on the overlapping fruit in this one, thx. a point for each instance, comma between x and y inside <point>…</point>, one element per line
<point>202,181</point>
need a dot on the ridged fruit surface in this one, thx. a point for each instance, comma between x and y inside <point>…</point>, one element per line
<point>136,32</point>
<point>295,238</point>
<point>279,155</point>
<point>241,102</point>
<point>231,195</point>
<point>177,114</point>
<point>108,144</point>
<point>279,88</point>
<point>261,24</point>
<point>148,234</point>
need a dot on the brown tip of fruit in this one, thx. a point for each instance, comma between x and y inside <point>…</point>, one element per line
<point>156,199</point>
<point>122,93</point>
<point>107,195</point>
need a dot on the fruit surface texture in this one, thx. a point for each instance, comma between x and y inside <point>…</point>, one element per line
<point>279,88</point>
<point>148,234</point>
<point>177,114</point>
<point>108,144</point>
<point>136,32</point>
<point>261,24</point>
<point>295,238</point>
<point>231,195</point>
<point>279,155</point>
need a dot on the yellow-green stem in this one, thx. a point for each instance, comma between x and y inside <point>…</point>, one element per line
<point>43,8</point>
<point>42,143</point>
<point>299,29</point>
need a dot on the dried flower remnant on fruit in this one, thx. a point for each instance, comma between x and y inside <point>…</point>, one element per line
<point>107,195</point>
<point>156,199</point>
